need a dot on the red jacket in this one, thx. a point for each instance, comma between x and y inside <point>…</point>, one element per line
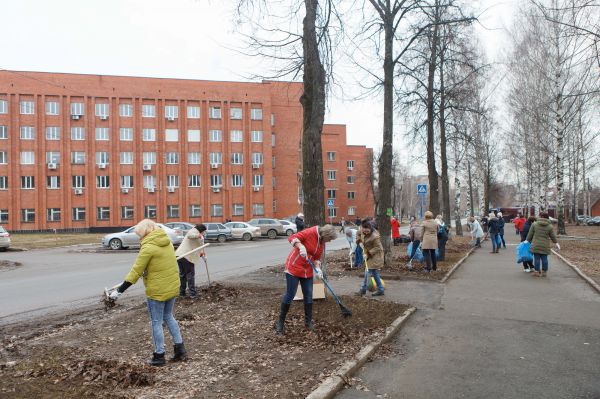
<point>519,222</point>
<point>395,228</point>
<point>295,264</point>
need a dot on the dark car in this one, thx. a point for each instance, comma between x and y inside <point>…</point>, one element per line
<point>595,221</point>
<point>218,232</point>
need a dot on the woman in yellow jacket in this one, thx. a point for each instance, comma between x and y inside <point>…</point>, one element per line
<point>157,266</point>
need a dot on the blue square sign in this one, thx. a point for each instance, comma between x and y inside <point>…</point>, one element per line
<point>421,188</point>
<point>330,203</point>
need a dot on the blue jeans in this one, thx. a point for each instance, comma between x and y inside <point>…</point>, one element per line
<point>413,249</point>
<point>494,239</point>
<point>375,274</point>
<point>544,259</point>
<point>162,311</point>
<point>291,286</point>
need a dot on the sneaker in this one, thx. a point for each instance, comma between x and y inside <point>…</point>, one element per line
<point>378,293</point>
<point>360,293</point>
<point>528,270</point>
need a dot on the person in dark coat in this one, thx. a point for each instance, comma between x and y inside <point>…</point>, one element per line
<point>299,222</point>
<point>493,229</point>
<point>501,229</point>
<point>528,265</point>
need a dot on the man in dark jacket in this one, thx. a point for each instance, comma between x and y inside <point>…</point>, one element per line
<point>299,222</point>
<point>493,230</point>
<point>501,229</point>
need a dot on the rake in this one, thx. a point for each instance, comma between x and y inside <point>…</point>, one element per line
<point>345,311</point>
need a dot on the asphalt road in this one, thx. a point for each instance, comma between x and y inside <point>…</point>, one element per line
<point>61,279</point>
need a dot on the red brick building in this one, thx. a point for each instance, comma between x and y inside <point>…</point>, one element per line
<point>93,151</point>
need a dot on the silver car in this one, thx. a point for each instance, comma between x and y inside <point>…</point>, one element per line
<point>289,227</point>
<point>268,227</point>
<point>128,238</point>
<point>243,231</point>
<point>4,239</point>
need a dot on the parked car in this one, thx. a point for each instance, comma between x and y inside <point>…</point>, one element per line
<point>595,221</point>
<point>218,232</point>
<point>183,226</point>
<point>243,231</point>
<point>289,227</point>
<point>582,218</point>
<point>268,227</point>
<point>4,239</point>
<point>128,238</point>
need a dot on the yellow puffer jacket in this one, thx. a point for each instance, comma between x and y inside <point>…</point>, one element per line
<point>157,265</point>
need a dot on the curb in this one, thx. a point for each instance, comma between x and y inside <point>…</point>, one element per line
<point>456,266</point>
<point>332,385</point>
<point>578,271</point>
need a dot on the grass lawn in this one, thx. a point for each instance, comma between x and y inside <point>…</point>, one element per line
<point>50,240</point>
<point>583,252</point>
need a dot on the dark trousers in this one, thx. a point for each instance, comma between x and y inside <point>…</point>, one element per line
<point>187,274</point>
<point>441,249</point>
<point>413,249</point>
<point>502,239</point>
<point>430,259</point>
<point>478,242</point>
<point>291,286</point>
<point>528,264</point>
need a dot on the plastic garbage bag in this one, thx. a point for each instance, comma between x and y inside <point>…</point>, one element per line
<point>418,254</point>
<point>524,253</point>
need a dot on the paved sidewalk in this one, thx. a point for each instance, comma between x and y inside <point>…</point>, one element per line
<point>493,332</point>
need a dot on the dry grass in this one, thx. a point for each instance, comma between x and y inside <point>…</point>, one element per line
<point>583,252</point>
<point>49,240</point>
<point>583,231</point>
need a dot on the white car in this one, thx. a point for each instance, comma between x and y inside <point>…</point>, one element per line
<point>4,239</point>
<point>127,238</point>
<point>289,227</point>
<point>243,231</point>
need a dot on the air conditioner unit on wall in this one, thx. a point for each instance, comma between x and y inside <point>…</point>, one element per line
<point>170,118</point>
<point>78,191</point>
<point>124,190</point>
<point>75,117</point>
<point>255,165</point>
<point>256,188</point>
<point>104,117</point>
<point>51,165</point>
<point>101,166</point>
<point>171,189</point>
<point>214,165</point>
<point>216,189</point>
<point>150,189</point>
<point>147,167</point>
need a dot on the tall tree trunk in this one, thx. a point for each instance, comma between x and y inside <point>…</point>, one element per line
<point>443,153</point>
<point>470,197</point>
<point>434,201</point>
<point>313,105</point>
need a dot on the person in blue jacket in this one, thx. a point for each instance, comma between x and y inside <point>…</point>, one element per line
<point>528,265</point>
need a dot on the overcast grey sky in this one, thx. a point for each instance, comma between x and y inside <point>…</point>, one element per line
<point>178,39</point>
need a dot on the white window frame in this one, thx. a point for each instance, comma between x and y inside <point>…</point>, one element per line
<point>216,158</point>
<point>52,182</point>
<point>126,134</point>
<point>27,107</point>
<point>173,181</point>
<point>172,158</point>
<point>195,211</point>
<point>193,135</point>
<point>52,108</point>
<point>148,134</point>
<point>237,158</point>
<point>3,107</point>
<point>27,182</point>
<point>331,156</point>
<point>351,195</point>
<point>171,111</point>
<point>126,110</point>
<point>215,113</point>
<point>102,109</point>
<point>126,158</point>
<point>102,181</point>
<point>256,136</point>
<point>27,215</point>
<point>331,175</point>
<point>237,180</point>
<point>53,157</point>
<point>150,212</point>
<point>4,183</point>
<point>126,212</point>
<point>257,180</point>
<point>78,214</point>
<point>52,133</point>
<point>194,158</point>
<point>215,136</point>
<point>216,210</point>
<point>148,111</point>
<point>331,191</point>
<point>236,136</point>
<point>236,113</point>
<point>77,109</point>
<point>3,132</point>
<point>256,114</point>
<point>76,156</point>
<point>258,158</point>
<point>194,181</point>
<point>350,165</point>
<point>3,157</point>
<point>27,158</point>
<point>77,133</point>
<point>350,179</point>
<point>332,212</point>
<point>172,211</point>
<point>102,157</point>
<point>102,134</point>
<point>102,213</point>
<point>237,209</point>
<point>193,112</point>
<point>216,180</point>
<point>126,181</point>
<point>27,133</point>
<point>172,135</point>
<point>149,181</point>
<point>3,215</point>
<point>149,158</point>
<point>272,139</point>
<point>351,211</point>
<point>258,209</point>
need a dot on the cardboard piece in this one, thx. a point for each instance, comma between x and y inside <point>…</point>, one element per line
<point>318,291</point>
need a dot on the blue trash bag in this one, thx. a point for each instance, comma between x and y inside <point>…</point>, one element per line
<point>498,240</point>
<point>358,257</point>
<point>524,253</point>
<point>418,254</point>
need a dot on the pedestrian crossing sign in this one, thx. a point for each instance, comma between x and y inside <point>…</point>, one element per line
<point>330,203</point>
<point>421,188</point>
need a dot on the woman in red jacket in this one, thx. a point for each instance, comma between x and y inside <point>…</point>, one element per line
<point>307,244</point>
<point>395,230</point>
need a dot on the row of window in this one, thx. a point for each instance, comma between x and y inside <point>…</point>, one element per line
<point>126,134</point>
<point>102,110</point>
<point>331,155</point>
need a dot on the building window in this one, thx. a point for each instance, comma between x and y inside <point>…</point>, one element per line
<point>331,194</point>
<point>126,110</point>
<point>52,108</point>
<point>102,213</point>
<point>194,181</point>
<point>3,107</point>
<point>215,136</point>
<point>172,211</point>
<point>351,194</point>
<point>273,161</point>
<point>126,181</point>
<point>274,206</point>
<point>53,214</point>
<point>238,210</point>
<point>27,182</point>
<point>193,112</point>
<point>350,179</point>
<point>27,215</point>
<point>236,136</point>
<point>216,158</point>
<point>235,113</point>
<point>78,158</point>
<point>171,111</point>
<point>78,214</point>
<point>53,157</point>
<point>3,158</point>
<point>102,133</point>
<point>257,136</point>
<point>3,132</point>
<point>149,158</point>
<point>257,158</point>
<point>150,212</point>
<point>216,181</point>
<point>257,180</point>
<point>126,158</point>
<point>27,157</point>
<point>126,212</point>
<point>272,119</point>
<point>27,107</point>
<point>171,135</point>
<point>237,158</point>
<point>149,181</point>
<point>258,209</point>
<point>256,114</point>
<point>216,210</point>
<point>274,182</point>
<point>101,158</point>
<point>272,139</point>
<point>102,110</point>
<point>148,111</point>
<point>3,182</point>
<point>331,175</point>
<point>27,133</point>
<point>350,165</point>
<point>148,135</point>
<point>172,158</point>
<point>102,182</point>
<point>126,134</point>
<point>77,133</point>
<point>78,181</point>
<point>173,181</point>
<point>330,155</point>
<point>237,180</point>
<point>77,109</point>
<point>194,158</point>
<point>195,211</point>
<point>215,112</point>
<point>332,212</point>
<point>3,215</point>
<point>351,211</point>
<point>193,136</point>
<point>52,133</point>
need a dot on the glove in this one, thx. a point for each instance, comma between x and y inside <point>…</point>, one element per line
<point>203,255</point>
<point>558,246</point>
<point>318,273</point>
<point>302,250</point>
<point>526,242</point>
<point>114,295</point>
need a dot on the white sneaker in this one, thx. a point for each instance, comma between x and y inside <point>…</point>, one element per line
<point>527,270</point>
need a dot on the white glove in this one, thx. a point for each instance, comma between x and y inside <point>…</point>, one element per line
<point>558,246</point>
<point>114,295</point>
<point>318,273</point>
<point>526,242</point>
<point>204,257</point>
<point>302,250</point>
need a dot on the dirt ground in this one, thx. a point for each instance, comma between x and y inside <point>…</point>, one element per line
<point>49,240</point>
<point>583,252</point>
<point>9,265</point>
<point>229,335</point>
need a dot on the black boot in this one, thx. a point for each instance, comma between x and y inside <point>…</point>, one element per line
<point>279,326</point>
<point>158,359</point>
<point>308,321</point>
<point>180,353</point>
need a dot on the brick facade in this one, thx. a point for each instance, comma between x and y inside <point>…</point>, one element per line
<point>193,121</point>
